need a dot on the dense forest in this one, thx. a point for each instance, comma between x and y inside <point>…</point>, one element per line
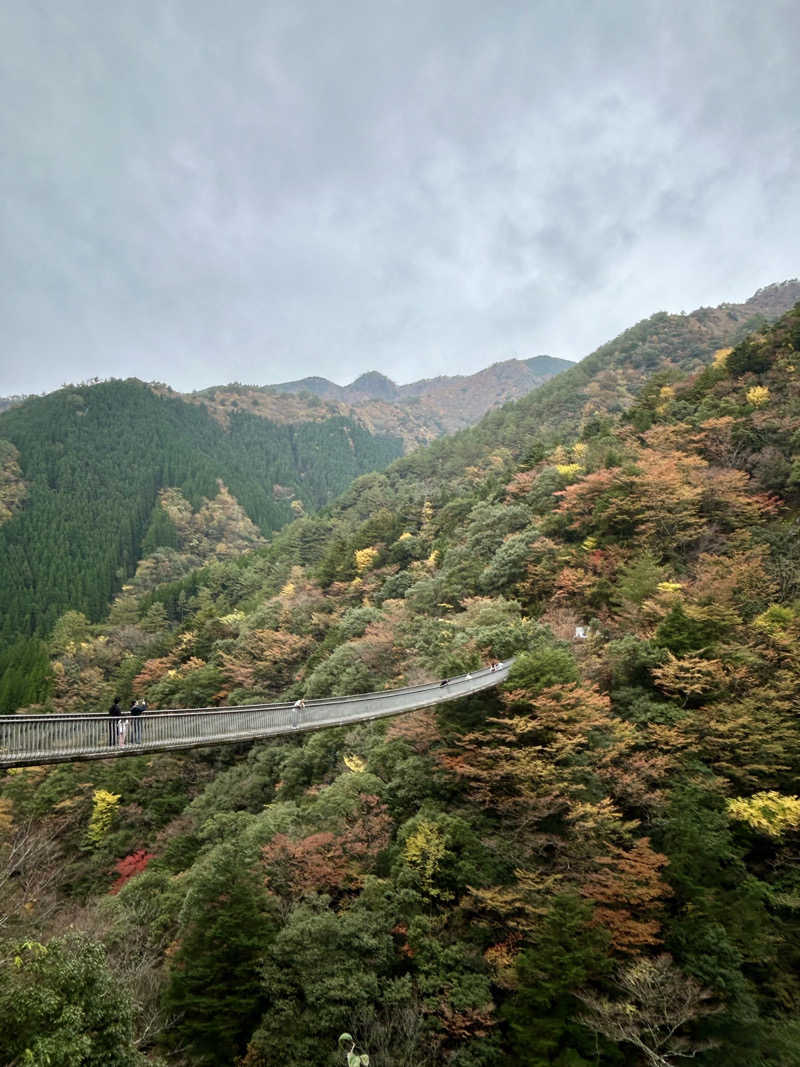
<point>595,866</point>
<point>80,475</point>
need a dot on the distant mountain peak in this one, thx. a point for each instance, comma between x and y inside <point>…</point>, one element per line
<point>373,384</point>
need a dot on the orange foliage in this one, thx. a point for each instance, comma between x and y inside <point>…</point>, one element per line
<point>667,499</point>
<point>627,891</point>
<point>532,765</point>
<point>520,485</point>
<point>326,860</point>
<point>316,862</point>
<point>264,658</point>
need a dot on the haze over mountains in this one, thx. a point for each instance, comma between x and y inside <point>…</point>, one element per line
<point>606,380</point>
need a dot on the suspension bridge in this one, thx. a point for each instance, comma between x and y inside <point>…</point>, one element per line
<point>31,740</point>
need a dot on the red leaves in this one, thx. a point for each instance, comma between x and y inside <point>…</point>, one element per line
<point>131,865</point>
<point>327,861</point>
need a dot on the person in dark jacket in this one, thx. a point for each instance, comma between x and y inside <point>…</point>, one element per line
<point>115,711</point>
<point>137,709</point>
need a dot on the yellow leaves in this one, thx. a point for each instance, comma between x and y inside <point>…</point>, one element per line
<point>669,588</point>
<point>104,806</point>
<point>288,590</point>
<point>767,813</point>
<point>666,395</point>
<point>355,764</point>
<point>660,604</point>
<point>423,852</point>
<point>569,470</point>
<point>185,641</point>
<point>720,357</point>
<point>364,559</point>
<point>405,536</point>
<point>559,455</point>
<point>35,948</point>
<point>758,396</point>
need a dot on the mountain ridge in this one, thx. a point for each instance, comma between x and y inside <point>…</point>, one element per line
<point>616,827</point>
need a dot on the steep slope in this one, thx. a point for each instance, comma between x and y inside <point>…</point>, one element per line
<point>607,380</point>
<point>83,467</point>
<point>597,865</point>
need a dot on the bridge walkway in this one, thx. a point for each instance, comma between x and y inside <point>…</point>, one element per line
<point>30,740</point>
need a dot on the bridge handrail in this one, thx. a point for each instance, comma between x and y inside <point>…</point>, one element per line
<point>272,706</point>
<point>31,739</point>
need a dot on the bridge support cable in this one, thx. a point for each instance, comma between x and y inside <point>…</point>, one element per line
<point>30,740</point>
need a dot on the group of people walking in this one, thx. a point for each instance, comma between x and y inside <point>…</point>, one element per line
<point>118,733</point>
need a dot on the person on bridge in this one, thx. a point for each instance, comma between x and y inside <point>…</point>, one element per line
<point>137,710</point>
<point>115,711</point>
<point>296,709</point>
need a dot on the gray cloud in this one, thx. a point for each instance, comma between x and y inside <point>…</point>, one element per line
<point>197,192</point>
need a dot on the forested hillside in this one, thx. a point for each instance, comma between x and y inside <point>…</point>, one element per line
<point>80,474</point>
<point>610,378</point>
<point>596,866</point>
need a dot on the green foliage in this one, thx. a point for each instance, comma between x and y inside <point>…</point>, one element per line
<point>681,634</point>
<point>324,968</point>
<point>24,674</point>
<point>214,986</point>
<point>565,954</point>
<point>61,1007</point>
<point>94,458</point>
<point>161,533</point>
<point>450,886</point>
<point>543,667</point>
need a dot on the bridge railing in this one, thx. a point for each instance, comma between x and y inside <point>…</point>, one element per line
<point>31,739</point>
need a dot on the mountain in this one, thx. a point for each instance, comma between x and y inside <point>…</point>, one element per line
<point>608,380</point>
<point>81,471</point>
<point>596,865</point>
<point>559,394</point>
<point>418,412</point>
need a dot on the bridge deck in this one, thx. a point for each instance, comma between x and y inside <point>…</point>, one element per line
<point>27,740</point>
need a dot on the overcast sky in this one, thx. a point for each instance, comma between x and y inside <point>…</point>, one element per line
<point>199,191</point>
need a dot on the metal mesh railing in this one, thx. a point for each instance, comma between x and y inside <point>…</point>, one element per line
<point>35,739</point>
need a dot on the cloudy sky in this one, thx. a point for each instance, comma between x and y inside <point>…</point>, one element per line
<point>199,192</point>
